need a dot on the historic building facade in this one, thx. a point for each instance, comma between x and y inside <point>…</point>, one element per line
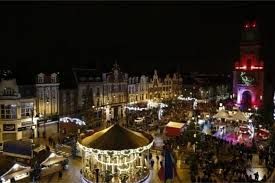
<point>47,93</point>
<point>115,92</point>
<point>248,74</point>
<point>68,102</point>
<point>67,94</point>
<point>167,88</point>
<point>89,92</point>
<point>17,110</point>
<point>138,89</point>
<point>104,94</point>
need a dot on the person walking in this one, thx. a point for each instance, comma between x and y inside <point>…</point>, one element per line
<point>256,176</point>
<point>60,174</point>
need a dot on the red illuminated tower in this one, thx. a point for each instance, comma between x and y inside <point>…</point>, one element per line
<point>248,74</point>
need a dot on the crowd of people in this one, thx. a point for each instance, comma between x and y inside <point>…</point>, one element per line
<point>216,159</point>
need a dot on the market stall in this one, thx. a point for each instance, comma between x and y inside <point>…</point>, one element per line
<point>115,154</point>
<point>263,134</point>
<point>239,116</point>
<point>173,129</point>
<point>12,171</point>
<point>222,114</point>
<point>21,151</point>
<point>54,163</point>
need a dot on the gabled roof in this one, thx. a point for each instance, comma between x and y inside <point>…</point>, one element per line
<point>27,91</point>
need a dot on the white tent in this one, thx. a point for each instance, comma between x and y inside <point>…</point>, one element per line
<point>53,159</point>
<point>239,116</point>
<point>222,114</point>
<point>17,172</point>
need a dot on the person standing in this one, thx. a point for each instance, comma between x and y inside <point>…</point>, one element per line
<point>60,174</point>
<point>256,176</point>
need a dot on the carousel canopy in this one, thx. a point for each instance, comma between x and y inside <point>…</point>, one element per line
<point>240,116</point>
<point>118,138</point>
<point>222,114</point>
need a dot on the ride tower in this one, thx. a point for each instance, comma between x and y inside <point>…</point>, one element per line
<point>248,74</point>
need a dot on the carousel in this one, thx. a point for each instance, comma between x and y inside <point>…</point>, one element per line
<point>115,154</point>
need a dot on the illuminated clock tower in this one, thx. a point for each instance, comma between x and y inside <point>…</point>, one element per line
<point>248,74</point>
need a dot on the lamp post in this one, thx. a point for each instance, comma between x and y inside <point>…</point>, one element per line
<point>33,129</point>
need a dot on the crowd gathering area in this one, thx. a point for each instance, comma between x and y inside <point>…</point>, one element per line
<point>217,144</point>
<point>214,143</point>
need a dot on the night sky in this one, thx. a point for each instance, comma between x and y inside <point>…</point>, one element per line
<point>141,36</point>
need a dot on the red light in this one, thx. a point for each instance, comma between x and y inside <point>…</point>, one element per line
<point>256,67</point>
<point>246,26</point>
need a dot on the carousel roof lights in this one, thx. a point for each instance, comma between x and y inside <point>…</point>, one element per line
<point>117,138</point>
<point>115,152</point>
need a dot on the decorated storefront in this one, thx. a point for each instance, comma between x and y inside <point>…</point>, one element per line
<point>115,154</point>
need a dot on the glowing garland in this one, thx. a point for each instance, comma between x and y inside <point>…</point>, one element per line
<point>116,164</point>
<point>115,152</point>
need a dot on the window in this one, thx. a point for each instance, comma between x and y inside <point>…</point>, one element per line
<point>8,92</point>
<point>40,79</point>
<point>53,92</point>
<point>97,92</point>
<point>8,111</point>
<point>26,109</point>
<point>53,79</point>
<point>41,95</point>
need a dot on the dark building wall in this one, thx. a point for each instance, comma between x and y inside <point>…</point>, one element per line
<point>268,91</point>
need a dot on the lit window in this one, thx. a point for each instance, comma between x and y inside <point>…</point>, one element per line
<point>26,109</point>
<point>8,111</point>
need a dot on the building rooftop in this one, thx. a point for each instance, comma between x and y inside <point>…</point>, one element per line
<point>86,75</point>
<point>67,80</point>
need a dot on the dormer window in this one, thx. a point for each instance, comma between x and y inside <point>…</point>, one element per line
<point>53,79</point>
<point>40,79</point>
<point>8,92</point>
